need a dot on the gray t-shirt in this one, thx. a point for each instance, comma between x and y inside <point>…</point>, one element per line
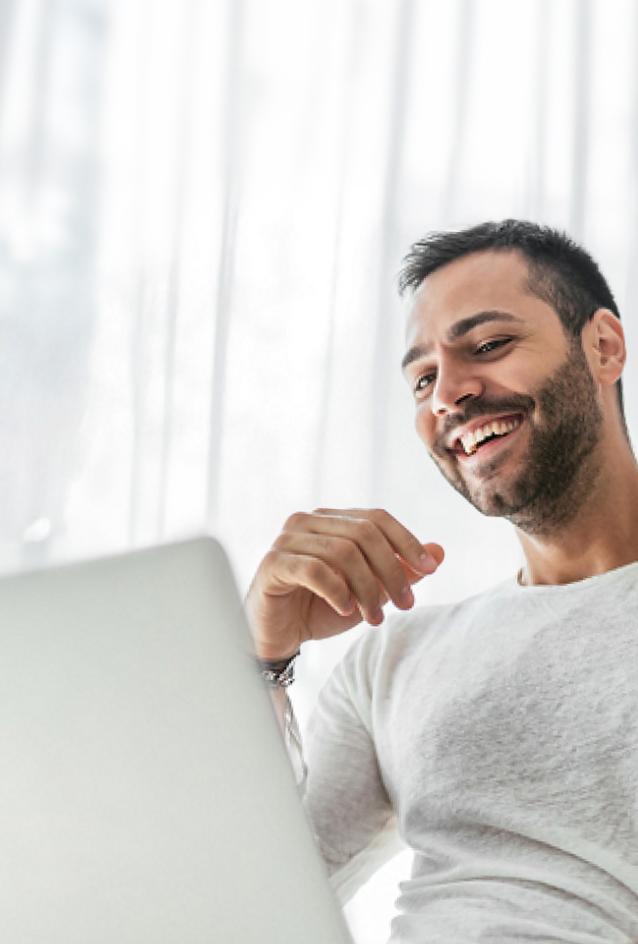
<point>500,736</point>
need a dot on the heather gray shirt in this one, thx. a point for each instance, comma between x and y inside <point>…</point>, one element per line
<point>500,736</point>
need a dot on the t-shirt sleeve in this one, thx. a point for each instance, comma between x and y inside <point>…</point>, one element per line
<point>343,791</point>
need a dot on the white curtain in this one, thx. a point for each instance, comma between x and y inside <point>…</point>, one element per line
<point>203,208</point>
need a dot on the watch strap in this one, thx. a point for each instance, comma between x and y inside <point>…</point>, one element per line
<point>280,673</point>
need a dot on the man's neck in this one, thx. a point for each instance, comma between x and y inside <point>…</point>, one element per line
<point>602,536</point>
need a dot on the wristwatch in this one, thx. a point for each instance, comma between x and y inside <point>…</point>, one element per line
<point>279,674</point>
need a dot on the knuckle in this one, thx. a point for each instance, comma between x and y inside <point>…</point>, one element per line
<point>366,529</point>
<point>325,543</point>
<point>379,515</point>
<point>281,542</point>
<point>348,552</point>
<point>294,521</point>
<point>314,569</point>
<point>336,583</point>
<point>269,560</point>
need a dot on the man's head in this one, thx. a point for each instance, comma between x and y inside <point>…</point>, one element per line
<point>514,320</point>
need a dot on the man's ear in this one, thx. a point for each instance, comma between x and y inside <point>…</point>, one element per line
<point>604,345</point>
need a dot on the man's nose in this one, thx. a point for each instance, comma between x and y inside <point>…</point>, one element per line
<point>451,388</point>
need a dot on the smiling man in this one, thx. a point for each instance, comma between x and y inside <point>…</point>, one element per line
<point>498,734</point>
<point>519,326</point>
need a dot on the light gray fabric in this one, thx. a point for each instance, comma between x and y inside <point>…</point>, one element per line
<point>502,733</point>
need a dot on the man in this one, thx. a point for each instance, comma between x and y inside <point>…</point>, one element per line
<point>499,733</point>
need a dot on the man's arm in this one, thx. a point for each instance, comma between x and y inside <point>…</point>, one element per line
<point>344,794</point>
<point>349,871</point>
<point>324,574</point>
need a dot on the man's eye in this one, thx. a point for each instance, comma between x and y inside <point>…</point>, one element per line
<point>423,381</point>
<point>488,346</point>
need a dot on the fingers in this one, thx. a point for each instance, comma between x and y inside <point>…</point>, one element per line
<point>421,558</point>
<point>344,557</point>
<point>368,548</point>
<point>303,570</point>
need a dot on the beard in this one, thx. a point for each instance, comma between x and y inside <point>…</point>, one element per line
<point>561,465</point>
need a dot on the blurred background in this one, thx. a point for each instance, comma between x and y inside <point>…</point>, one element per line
<point>203,209</point>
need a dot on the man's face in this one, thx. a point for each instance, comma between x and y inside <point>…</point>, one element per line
<point>482,348</point>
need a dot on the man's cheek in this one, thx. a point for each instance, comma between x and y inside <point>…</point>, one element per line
<point>423,423</point>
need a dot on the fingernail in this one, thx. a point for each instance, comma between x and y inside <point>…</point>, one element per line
<point>428,561</point>
<point>407,597</point>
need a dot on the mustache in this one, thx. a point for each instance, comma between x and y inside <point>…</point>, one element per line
<point>517,403</point>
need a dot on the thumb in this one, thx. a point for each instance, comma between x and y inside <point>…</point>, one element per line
<point>435,551</point>
<point>437,555</point>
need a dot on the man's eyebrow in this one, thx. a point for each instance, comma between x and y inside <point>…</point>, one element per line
<point>457,330</point>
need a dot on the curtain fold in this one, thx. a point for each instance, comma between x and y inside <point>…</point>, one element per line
<point>230,159</point>
<point>581,111</point>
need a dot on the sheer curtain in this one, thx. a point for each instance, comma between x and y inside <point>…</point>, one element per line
<point>203,208</point>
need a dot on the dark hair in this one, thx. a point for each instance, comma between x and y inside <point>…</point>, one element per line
<point>561,273</point>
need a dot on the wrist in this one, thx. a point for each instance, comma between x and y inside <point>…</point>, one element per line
<point>271,654</point>
<point>278,673</point>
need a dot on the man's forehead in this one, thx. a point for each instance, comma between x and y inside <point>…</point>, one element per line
<point>481,281</point>
<point>480,274</point>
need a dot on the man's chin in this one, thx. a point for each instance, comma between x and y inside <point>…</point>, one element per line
<point>490,502</point>
<point>487,496</point>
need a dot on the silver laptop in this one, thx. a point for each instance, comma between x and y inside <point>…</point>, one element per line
<point>145,792</point>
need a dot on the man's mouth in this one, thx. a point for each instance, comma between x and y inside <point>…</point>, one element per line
<point>487,438</point>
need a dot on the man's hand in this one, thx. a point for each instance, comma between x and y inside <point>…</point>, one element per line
<point>329,570</point>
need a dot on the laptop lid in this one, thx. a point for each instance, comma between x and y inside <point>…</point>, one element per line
<point>145,790</point>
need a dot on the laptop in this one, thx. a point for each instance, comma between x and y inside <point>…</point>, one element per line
<point>146,796</point>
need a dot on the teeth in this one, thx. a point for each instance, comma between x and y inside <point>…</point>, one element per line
<point>472,440</point>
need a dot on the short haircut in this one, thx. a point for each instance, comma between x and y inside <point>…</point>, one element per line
<point>561,272</point>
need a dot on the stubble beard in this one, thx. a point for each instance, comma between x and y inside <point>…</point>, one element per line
<point>562,463</point>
